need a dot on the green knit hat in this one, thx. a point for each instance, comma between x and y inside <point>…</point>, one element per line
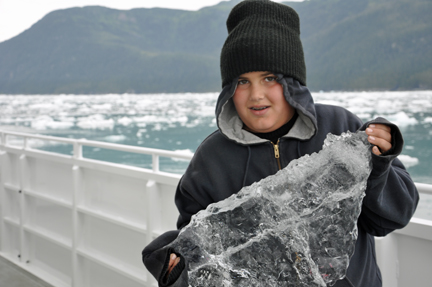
<point>262,36</point>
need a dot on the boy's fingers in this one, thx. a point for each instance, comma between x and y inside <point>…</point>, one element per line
<point>380,136</point>
<point>379,131</point>
<point>381,127</point>
<point>173,257</point>
<point>172,263</point>
<point>380,144</point>
<point>376,150</point>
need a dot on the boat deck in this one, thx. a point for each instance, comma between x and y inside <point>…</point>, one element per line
<point>14,276</point>
<point>62,218</point>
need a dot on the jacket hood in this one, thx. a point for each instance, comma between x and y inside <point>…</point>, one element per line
<point>297,95</point>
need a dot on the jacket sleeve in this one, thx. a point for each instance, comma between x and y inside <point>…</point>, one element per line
<point>189,201</point>
<point>391,196</point>
<point>156,257</point>
<point>187,205</point>
<point>205,180</point>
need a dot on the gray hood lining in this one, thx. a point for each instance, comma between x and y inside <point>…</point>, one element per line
<point>296,95</point>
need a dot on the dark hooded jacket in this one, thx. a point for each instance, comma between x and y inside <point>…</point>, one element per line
<point>231,158</point>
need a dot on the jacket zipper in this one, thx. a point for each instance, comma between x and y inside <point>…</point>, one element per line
<point>277,154</point>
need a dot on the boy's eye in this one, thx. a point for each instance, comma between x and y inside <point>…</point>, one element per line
<point>270,79</point>
<point>242,82</point>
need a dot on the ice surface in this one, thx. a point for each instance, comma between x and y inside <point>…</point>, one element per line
<point>401,119</point>
<point>294,228</point>
<point>408,161</point>
<point>185,110</point>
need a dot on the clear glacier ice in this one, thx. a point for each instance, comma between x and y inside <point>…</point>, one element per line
<point>295,228</point>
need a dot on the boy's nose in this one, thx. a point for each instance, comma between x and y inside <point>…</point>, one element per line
<point>257,93</point>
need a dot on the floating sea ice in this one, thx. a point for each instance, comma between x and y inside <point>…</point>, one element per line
<point>125,121</point>
<point>408,161</point>
<point>45,122</point>
<point>427,120</point>
<point>96,121</point>
<point>295,228</point>
<point>401,119</point>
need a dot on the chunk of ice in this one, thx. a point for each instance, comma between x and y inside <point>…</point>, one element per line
<point>295,228</point>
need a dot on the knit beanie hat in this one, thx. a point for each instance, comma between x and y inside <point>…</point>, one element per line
<point>262,36</point>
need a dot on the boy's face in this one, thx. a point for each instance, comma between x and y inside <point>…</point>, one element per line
<point>260,102</point>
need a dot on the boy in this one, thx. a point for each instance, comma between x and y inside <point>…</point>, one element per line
<point>266,118</point>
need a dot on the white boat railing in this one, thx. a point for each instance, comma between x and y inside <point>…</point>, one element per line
<point>74,221</point>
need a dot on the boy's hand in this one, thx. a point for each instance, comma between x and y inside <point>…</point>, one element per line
<point>174,260</point>
<point>380,137</point>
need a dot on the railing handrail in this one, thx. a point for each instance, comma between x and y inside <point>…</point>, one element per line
<point>78,144</point>
<point>424,188</point>
<point>155,153</point>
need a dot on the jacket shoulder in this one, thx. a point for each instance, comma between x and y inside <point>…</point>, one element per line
<point>336,119</point>
<point>212,156</point>
<point>213,143</point>
<point>213,138</point>
<point>334,111</point>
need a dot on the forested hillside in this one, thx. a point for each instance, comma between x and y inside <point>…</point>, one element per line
<point>349,45</point>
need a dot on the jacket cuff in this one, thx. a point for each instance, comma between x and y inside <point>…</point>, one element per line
<point>154,255</point>
<point>175,274</point>
<point>382,162</point>
<point>397,139</point>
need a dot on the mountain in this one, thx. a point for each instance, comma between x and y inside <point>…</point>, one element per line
<point>367,44</point>
<point>349,45</point>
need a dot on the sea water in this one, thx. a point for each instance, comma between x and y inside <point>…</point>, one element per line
<point>180,122</point>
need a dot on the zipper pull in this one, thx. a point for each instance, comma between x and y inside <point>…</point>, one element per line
<point>277,154</point>
<point>276,149</point>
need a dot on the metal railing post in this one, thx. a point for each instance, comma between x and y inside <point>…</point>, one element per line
<point>77,149</point>
<point>25,144</point>
<point>155,162</point>
<point>2,199</point>
<point>77,182</point>
<point>154,208</point>
<point>24,250</point>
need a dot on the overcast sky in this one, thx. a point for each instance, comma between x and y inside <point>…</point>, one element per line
<point>18,15</point>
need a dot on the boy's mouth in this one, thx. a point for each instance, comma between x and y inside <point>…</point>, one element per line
<point>258,108</point>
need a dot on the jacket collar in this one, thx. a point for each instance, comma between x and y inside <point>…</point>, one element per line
<point>298,96</point>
